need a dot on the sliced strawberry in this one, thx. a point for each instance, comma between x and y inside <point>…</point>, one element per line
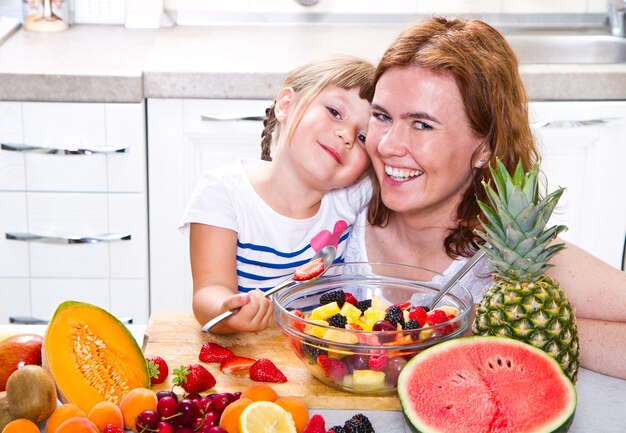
<point>193,378</point>
<point>236,363</point>
<point>333,368</point>
<point>158,369</point>
<point>316,424</point>
<point>377,363</point>
<point>436,317</point>
<point>418,314</point>
<point>309,270</point>
<point>264,370</point>
<point>353,327</point>
<point>401,305</point>
<point>296,324</point>
<point>213,352</point>
<point>351,299</point>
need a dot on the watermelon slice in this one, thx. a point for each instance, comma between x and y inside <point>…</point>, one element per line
<point>486,385</point>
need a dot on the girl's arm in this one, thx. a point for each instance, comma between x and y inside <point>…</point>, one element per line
<point>214,268</point>
<point>598,293</point>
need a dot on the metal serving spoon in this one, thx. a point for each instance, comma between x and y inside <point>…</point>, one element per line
<point>456,277</point>
<point>327,254</point>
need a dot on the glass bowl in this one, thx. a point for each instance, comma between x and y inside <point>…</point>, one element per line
<point>361,361</point>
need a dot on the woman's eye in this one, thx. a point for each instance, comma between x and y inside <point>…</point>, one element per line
<point>334,112</point>
<point>381,116</point>
<point>422,125</point>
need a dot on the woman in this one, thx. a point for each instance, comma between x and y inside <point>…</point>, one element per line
<point>448,101</point>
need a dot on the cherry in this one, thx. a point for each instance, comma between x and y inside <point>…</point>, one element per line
<point>356,362</point>
<point>221,401</point>
<point>216,429</point>
<point>147,420</point>
<point>184,430</point>
<point>211,418</point>
<point>167,406</point>
<point>162,394</point>
<point>236,395</point>
<point>189,412</point>
<point>384,326</point>
<point>393,368</point>
<point>165,427</point>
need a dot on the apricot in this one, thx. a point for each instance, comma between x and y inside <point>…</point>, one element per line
<point>134,402</point>
<point>77,425</point>
<point>62,414</point>
<point>298,410</point>
<point>104,413</point>
<point>21,425</point>
<point>259,392</point>
<point>229,419</point>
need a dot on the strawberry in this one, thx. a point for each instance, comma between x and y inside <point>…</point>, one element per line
<point>298,325</point>
<point>193,378</point>
<point>264,370</point>
<point>351,299</point>
<point>213,352</point>
<point>112,428</point>
<point>377,363</point>
<point>436,317</point>
<point>236,363</point>
<point>158,369</point>
<point>333,368</point>
<point>401,305</point>
<point>309,270</point>
<point>316,424</point>
<point>353,327</point>
<point>418,314</point>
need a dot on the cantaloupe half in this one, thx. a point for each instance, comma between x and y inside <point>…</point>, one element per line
<point>92,356</point>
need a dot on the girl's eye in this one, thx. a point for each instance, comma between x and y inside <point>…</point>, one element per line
<point>361,138</point>
<point>381,116</point>
<point>334,112</point>
<point>422,125</point>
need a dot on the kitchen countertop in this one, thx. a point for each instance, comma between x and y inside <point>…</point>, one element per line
<point>600,398</point>
<point>91,63</point>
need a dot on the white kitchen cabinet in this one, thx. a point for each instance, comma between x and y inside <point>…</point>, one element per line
<point>73,208</point>
<point>186,137</point>
<point>583,148</point>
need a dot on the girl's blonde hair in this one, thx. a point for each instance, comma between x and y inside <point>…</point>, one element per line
<point>486,72</point>
<point>308,81</point>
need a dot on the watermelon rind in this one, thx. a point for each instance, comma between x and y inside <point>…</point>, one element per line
<point>560,422</point>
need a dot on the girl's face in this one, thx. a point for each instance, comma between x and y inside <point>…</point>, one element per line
<point>328,144</point>
<point>420,141</point>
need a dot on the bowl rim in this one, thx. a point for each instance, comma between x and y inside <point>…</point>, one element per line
<point>279,310</point>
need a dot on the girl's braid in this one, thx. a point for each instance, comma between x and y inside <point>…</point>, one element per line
<point>269,124</point>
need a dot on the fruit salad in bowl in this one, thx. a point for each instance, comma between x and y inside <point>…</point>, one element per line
<point>358,325</point>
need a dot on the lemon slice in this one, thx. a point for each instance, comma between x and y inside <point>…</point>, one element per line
<point>266,417</point>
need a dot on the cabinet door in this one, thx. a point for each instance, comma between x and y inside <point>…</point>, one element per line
<point>183,142</point>
<point>14,260</point>
<point>588,159</point>
<point>16,299</point>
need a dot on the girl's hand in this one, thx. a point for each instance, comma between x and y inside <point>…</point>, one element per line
<point>255,312</point>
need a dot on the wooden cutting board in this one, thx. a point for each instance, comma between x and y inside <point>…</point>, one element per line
<point>177,338</point>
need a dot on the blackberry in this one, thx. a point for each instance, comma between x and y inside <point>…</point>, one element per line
<point>364,305</point>
<point>338,321</point>
<point>394,316</point>
<point>411,324</point>
<point>359,423</point>
<point>338,296</point>
<point>312,352</point>
<point>336,429</point>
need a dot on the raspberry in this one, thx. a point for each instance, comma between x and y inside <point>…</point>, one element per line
<point>418,314</point>
<point>350,299</point>
<point>338,321</point>
<point>377,363</point>
<point>394,316</point>
<point>364,305</point>
<point>338,296</point>
<point>112,428</point>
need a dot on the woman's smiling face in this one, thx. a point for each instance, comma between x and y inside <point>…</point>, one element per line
<point>420,141</point>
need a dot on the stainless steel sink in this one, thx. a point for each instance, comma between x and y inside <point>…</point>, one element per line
<point>563,48</point>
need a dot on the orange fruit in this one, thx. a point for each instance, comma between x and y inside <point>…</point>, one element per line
<point>229,420</point>
<point>21,425</point>
<point>106,412</point>
<point>77,425</point>
<point>61,414</point>
<point>136,401</point>
<point>298,410</point>
<point>259,392</point>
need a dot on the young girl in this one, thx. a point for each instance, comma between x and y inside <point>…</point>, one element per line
<point>253,223</point>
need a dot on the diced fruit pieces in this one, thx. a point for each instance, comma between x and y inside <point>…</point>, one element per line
<point>367,380</point>
<point>332,368</point>
<point>325,312</point>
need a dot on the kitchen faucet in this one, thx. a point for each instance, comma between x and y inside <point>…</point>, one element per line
<point>617,17</point>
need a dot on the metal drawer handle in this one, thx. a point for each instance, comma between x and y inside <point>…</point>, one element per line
<point>62,151</point>
<point>28,237</point>
<point>217,117</point>
<point>573,123</point>
<point>29,320</point>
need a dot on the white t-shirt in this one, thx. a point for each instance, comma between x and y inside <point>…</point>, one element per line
<point>270,246</point>
<point>477,280</point>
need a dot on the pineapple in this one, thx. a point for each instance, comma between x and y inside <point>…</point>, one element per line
<point>524,303</point>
